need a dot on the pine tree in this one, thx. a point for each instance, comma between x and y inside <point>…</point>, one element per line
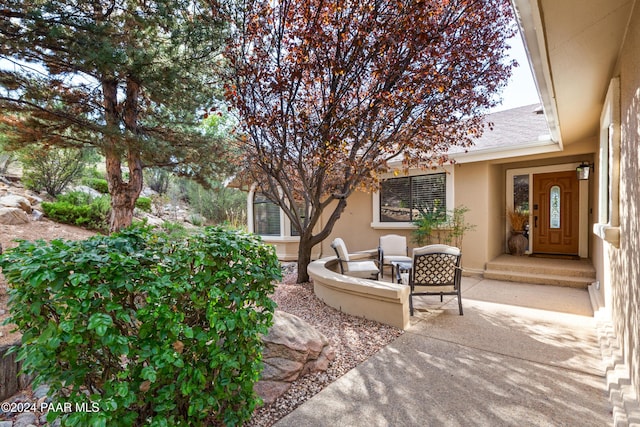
<point>131,77</point>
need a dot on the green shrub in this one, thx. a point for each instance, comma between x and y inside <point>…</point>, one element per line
<point>175,230</point>
<point>93,172</point>
<point>438,225</point>
<point>155,331</point>
<point>75,198</point>
<point>157,179</point>
<point>52,169</point>
<point>99,184</point>
<point>144,203</point>
<point>78,208</point>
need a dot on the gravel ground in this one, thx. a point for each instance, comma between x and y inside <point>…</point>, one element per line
<point>354,339</point>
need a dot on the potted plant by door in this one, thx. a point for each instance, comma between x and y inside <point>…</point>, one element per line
<point>518,242</point>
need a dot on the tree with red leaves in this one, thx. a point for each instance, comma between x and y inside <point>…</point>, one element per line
<point>330,91</point>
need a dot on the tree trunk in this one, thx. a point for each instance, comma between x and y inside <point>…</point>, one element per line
<point>308,240</point>
<point>123,194</point>
<point>304,258</point>
<point>122,205</point>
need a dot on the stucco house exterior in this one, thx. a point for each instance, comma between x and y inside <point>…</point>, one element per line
<point>585,57</point>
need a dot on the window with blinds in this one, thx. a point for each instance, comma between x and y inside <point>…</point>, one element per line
<point>402,198</point>
<point>266,216</point>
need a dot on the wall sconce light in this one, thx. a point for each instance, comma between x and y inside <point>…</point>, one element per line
<point>582,171</point>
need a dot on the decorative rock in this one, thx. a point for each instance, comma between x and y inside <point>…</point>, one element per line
<point>292,348</point>
<point>13,201</point>
<point>13,216</point>
<point>148,192</point>
<point>269,391</point>
<point>36,215</point>
<point>41,391</point>
<point>25,419</point>
<point>151,219</point>
<point>34,199</point>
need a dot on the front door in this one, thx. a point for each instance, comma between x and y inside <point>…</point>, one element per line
<point>555,213</point>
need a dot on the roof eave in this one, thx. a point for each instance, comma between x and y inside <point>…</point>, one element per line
<point>532,32</point>
<point>543,146</point>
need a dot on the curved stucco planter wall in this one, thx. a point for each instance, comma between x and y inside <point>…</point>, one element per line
<point>372,299</point>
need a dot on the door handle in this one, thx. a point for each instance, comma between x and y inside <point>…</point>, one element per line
<point>535,221</point>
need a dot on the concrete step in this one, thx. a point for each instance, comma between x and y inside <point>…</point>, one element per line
<point>544,271</point>
<point>540,279</point>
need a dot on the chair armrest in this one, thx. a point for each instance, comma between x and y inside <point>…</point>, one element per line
<point>361,259</point>
<point>360,256</point>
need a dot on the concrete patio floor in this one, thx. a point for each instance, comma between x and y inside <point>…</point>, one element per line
<point>522,355</point>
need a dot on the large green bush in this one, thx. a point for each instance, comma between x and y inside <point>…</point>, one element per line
<point>144,203</point>
<point>80,209</point>
<point>154,331</point>
<point>99,184</point>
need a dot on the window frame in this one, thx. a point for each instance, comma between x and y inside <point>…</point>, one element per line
<point>608,226</point>
<point>448,170</point>
<point>285,223</point>
<point>275,211</point>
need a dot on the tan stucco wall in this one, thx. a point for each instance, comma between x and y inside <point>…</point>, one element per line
<point>481,187</point>
<point>474,188</point>
<point>625,261</point>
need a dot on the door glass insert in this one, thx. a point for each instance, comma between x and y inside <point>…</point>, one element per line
<point>521,198</point>
<point>554,207</point>
<point>521,193</point>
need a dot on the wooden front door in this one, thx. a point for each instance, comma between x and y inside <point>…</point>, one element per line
<point>555,213</point>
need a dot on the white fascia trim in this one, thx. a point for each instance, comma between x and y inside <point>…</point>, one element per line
<point>538,147</point>
<point>543,146</point>
<point>532,30</point>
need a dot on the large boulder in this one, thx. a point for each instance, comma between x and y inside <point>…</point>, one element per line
<point>14,201</point>
<point>292,348</point>
<point>13,216</point>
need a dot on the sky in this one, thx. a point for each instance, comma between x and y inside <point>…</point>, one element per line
<point>521,89</point>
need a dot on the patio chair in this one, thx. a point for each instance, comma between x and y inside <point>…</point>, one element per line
<point>436,269</point>
<point>392,248</point>
<point>367,269</point>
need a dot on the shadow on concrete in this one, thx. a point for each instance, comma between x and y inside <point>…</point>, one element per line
<point>499,364</point>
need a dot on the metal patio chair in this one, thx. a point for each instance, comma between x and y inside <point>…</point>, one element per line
<point>436,269</point>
